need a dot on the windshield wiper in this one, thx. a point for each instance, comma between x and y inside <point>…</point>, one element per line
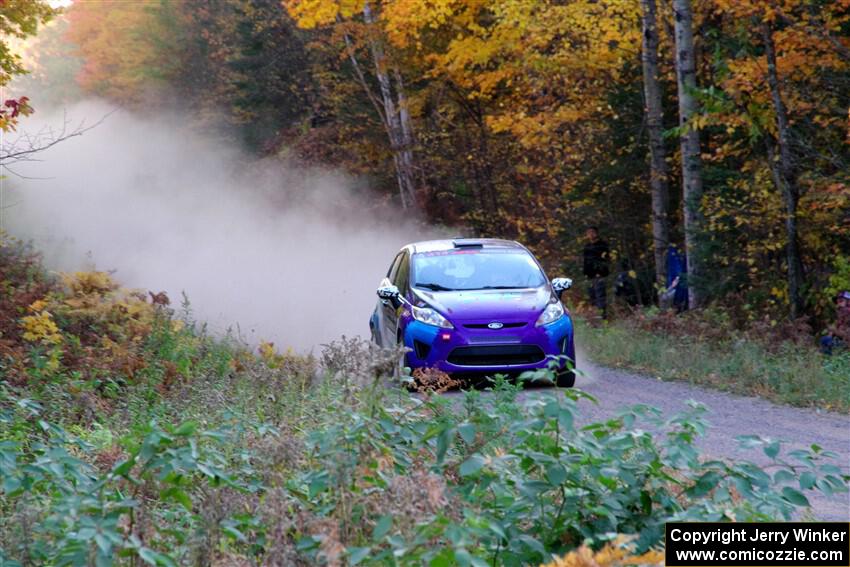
<point>502,287</point>
<point>433,287</point>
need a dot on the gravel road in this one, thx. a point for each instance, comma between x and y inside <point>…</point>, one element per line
<point>729,416</point>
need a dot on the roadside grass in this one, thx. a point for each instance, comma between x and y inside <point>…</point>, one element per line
<point>787,373</point>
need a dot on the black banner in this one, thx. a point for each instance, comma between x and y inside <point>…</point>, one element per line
<point>803,544</point>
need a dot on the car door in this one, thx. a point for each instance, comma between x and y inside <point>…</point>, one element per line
<point>399,278</point>
<point>387,324</point>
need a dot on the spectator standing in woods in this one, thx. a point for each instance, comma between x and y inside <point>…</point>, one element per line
<point>597,257</point>
<point>676,293</point>
<point>838,335</point>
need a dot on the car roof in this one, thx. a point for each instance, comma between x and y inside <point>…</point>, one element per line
<point>459,243</point>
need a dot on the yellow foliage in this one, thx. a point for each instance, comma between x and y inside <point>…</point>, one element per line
<point>97,298</point>
<point>37,306</point>
<point>315,13</point>
<point>615,554</point>
<point>89,283</point>
<point>41,328</point>
<point>290,364</point>
<point>269,354</point>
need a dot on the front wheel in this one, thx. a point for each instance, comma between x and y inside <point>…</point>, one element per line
<point>565,379</point>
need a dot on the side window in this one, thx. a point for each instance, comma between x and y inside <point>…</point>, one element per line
<point>394,267</point>
<point>403,274</point>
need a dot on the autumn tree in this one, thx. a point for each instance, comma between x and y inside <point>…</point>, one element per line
<point>786,87</point>
<point>689,143</point>
<point>542,74</point>
<point>232,66</point>
<point>18,19</point>
<point>658,171</point>
<point>120,46</point>
<point>356,24</point>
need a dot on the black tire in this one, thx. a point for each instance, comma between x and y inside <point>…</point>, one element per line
<point>566,379</point>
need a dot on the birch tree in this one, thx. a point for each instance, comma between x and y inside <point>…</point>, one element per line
<point>390,102</point>
<point>655,127</point>
<point>689,142</point>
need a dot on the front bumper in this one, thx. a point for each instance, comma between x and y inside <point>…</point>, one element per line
<point>471,347</point>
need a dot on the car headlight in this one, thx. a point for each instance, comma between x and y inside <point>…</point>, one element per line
<point>430,317</point>
<point>552,313</point>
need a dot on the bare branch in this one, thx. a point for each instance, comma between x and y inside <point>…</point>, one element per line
<point>25,147</point>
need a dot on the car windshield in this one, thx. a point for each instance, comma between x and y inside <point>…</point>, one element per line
<point>455,270</point>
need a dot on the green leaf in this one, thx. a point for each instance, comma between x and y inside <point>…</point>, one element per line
<point>782,476</point>
<point>556,474</point>
<point>103,543</point>
<point>824,487</point>
<point>467,432</point>
<point>497,529</point>
<point>472,465</point>
<point>443,442</point>
<point>794,496</point>
<point>178,495</point>
<point>234,533</point>
<point>122,468</point>
<point>318,483</point>
<point>772,449</point>
<point>207,470</point>
<point>463,558</point>
<point>533,544</point>
<point>382,527</point>
<point>807,480</point>
<point>358,554</point>
<point>188,428</point>
<point>11,484</point>
<point>443,559</point>
<point>704,484</point>
<point>565,419</point>
<point>151,557</point>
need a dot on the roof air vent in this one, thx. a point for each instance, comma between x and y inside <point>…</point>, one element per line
<point>467,243</point>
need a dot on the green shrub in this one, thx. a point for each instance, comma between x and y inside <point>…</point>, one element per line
<point>342,469</point>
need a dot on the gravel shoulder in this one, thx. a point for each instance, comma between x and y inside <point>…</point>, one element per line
<point>729,416</point>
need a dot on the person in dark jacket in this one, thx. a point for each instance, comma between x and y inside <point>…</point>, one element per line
<point>838,334</point>
<point>627,286</point>
<point>597,257</point>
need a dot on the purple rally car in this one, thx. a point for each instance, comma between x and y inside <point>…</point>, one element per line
<point>475,307</point>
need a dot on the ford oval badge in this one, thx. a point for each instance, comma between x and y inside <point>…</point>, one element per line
<point>495,325</point>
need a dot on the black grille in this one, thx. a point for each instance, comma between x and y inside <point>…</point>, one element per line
<point>421,349</point>
<point>496,355</point>
<point>484,326</point>
<point>494,339</point>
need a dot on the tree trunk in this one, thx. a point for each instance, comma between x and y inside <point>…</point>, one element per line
<point>397,122</point>
<point>689,141</point>
<point>655,128</point>
<point>406,137</point>
<point>784,176</point>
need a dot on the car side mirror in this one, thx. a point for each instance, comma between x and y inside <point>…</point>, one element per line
<point>390,293</point>
<point>560,285</point>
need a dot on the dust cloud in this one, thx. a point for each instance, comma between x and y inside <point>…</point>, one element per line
<point>279,252</point>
